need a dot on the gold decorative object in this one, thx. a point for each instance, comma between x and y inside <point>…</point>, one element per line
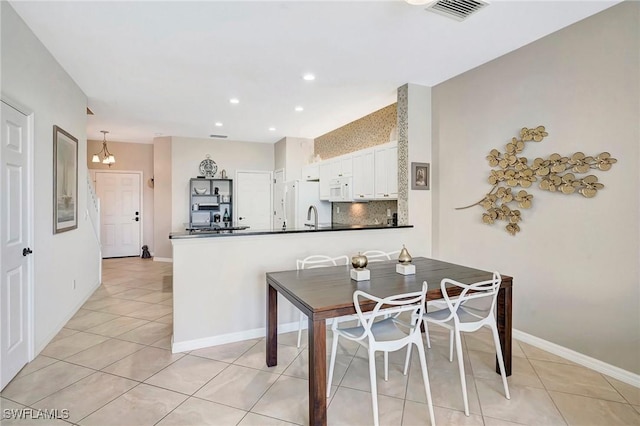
<point>555,174</point>
<point>404,257</point>
<point>360,261</point>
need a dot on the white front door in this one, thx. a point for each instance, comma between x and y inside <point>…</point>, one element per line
<point>15,241</point>
<point>253,199</point>
<point>120,214</point>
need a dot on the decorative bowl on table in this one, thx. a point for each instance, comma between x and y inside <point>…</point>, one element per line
<point>200,191</point>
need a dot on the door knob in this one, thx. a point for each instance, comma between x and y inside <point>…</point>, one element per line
<point>240,218</point>
<point>137,219</point>
<point>26,251</point>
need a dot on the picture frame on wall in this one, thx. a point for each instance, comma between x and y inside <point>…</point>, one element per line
<point>65,181</point>
<point>420,176</point>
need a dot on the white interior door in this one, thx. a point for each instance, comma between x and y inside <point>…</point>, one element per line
<point>14,246</point>
<point>120,214</point>
<point>253,199</point>
<point>278,198</point>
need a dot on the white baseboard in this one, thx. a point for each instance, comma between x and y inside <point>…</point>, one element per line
<point>56,330</point>
<point>618,373</point>
<point>190,345</point>
<point>162,259</point>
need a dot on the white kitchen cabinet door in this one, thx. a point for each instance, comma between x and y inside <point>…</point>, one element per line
<point>346,166</point>
<point>392,172</point>
<point>311,172</point>
<point>325,177</point>
<point>336,169</point>
<point>363,175</point>
<point>386,173</point>
<point>340,167</point>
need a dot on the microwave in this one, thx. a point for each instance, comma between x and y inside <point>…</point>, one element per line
<point>340,190</point>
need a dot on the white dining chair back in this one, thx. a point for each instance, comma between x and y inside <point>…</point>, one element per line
<point>380,256</point>
<point>379,332</point>
<point>317,261</point>
<point>462,314</point>
<point>320,261</point>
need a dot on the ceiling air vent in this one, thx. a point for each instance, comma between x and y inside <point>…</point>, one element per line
<point>456,9</point>
<point>218,136</point>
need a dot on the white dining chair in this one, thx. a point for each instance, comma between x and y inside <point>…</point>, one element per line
<point>317,261</point>
<point>389,334</point>
<point>460,316</point>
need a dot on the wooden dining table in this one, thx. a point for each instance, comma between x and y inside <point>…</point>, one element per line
<point>324,293</point>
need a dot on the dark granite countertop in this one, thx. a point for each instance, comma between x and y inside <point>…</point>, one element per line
<point>222,232</point>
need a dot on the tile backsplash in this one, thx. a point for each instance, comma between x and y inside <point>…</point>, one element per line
<point>363,213</point>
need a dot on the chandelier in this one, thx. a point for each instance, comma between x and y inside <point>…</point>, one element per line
<point>104,156</point>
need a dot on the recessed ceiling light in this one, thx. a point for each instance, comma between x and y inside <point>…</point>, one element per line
<point>218,124</point>
<point>299,108</point>
<point>309,77</point>
<point>272,129</point>
<point>234,101</point>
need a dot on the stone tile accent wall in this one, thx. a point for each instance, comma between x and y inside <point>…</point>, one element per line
<point>403,155</point>
<point>363,213</point>
<point>371,130</point>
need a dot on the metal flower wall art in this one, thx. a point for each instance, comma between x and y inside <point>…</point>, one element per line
<point>554,174</point>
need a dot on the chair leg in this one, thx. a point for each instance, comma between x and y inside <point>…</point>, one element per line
<point>374,387</point>
<point>425,377</point>
<point>406,361</point>
<point>426,334</point>
<point>332,362</point>
<point>300,328</point>
<point>386,366</point>
<point>496,340</point>
<point>463,379</point>
<point>414,323</point>
<point>450,345</point>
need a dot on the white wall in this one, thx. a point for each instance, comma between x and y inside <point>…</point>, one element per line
<point>419,136</point>
<point>31,76</point>
<point>162,197</point>
<point>186,155</point>
<point>575,263</point>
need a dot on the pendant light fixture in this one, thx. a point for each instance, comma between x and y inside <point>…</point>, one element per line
<point>104,156</point>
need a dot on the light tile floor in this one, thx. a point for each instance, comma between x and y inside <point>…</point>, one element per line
<point>112,365</point>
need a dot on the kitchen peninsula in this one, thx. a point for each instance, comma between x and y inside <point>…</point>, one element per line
<point>219,277</point>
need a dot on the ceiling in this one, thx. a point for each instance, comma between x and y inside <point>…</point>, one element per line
<point>169,68</point>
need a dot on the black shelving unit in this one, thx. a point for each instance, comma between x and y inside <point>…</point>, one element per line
<point>208,201</point>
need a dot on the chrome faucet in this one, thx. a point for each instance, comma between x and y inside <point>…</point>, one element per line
<point>315,213</point>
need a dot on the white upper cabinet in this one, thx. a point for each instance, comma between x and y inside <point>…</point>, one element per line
<point>311,172</point>
<point>386,172</point>
<point>341,166</point>
<point>374,172</point>
<point>324,171</point>
<point>363,175</point>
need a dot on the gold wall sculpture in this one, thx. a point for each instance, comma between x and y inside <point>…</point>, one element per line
<point>555,174</point>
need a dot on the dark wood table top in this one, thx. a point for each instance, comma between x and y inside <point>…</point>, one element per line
<point>328,292</point>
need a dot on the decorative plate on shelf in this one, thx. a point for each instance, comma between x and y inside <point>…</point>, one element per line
<point>208,167</point>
